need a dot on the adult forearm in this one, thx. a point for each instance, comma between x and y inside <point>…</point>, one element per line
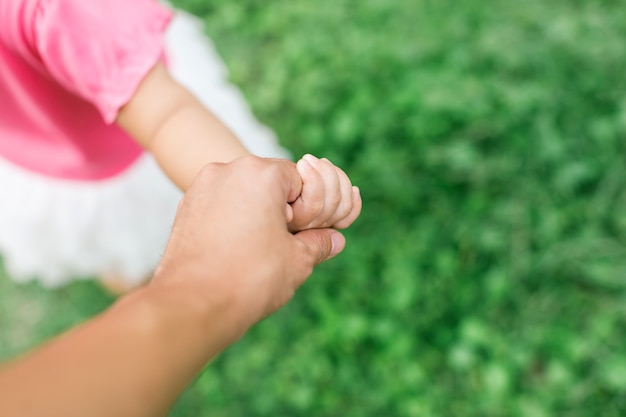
<point>133,360</point>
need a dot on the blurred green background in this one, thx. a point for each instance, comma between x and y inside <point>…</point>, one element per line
<point>487,274</point>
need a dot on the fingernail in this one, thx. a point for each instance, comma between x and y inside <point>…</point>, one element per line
<point>303,164</point>
<point>310,158</point>
<point>338,242</point>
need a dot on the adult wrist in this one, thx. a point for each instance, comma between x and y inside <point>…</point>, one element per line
<point>208,319</point>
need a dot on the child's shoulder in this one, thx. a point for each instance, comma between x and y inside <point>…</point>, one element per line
<point>108,46</point>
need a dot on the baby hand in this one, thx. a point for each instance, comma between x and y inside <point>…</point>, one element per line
<point>328,198</point>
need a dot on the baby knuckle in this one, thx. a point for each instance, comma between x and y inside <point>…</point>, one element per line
<point>315,207</point>
<point>345,208</point>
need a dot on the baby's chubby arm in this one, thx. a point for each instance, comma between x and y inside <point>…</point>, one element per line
<point>328,198</point>
<point>168,121</point>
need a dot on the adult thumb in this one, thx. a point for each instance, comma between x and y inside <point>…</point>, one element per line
<point>320,245</point>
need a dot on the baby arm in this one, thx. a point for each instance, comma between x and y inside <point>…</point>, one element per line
<point>169,122</point>
<point>328,198</point>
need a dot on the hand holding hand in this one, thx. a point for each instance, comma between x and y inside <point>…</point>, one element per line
<point>240,248</point>
<point>230,261</point>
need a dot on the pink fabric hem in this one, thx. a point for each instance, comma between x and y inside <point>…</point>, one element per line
<point>68,67</point>
<point>133,73</point>
<point>81,175</point>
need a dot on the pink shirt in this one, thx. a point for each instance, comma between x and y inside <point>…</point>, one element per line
<point>66,68</point>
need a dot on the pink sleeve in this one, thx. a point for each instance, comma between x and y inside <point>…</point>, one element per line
<point>101,49</point>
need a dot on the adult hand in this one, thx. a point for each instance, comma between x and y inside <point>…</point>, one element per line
<point>231,238</point>
<point>230,262</point>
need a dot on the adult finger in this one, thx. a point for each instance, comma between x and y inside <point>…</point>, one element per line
<point>270,175</point>
<point>289,178</point>
<point>315,246</point>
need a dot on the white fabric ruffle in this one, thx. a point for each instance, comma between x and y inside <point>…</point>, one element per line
<point>194,62</point>
<point>54,231</point>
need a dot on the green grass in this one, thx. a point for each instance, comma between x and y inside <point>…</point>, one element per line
<point>30,314</point>
<point>487,274</point>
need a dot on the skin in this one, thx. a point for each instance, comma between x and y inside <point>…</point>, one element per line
<point>238,251</point>
<point>227,265</point>
<point>168,121</point>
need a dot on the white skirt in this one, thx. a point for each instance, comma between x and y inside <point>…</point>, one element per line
<point>55,231</point>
